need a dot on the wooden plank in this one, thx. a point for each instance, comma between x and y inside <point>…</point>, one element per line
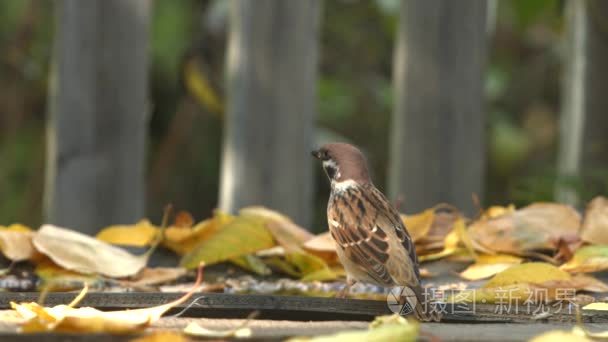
<point>216,305</point>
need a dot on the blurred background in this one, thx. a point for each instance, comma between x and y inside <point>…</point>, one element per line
<point>110,109</point>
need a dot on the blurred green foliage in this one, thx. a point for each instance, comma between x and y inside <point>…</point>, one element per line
<point>354,93</point>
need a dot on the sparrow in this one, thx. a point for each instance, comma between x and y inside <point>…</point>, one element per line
<point>372,242</point>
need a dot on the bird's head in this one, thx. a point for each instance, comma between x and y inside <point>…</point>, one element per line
<point>343,162</point>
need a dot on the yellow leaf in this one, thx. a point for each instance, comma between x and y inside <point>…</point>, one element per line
<point>324,274</point>
<point>182,240</point>
<point>532,272</point>
<point>84,254</point>
<point>451,243</point>
<point>419,225</point>
<point>588,259</point>
<point>251,263</point>
<point>65,318</point>
<point>243,235</point>
<point>596,306</point>
<point>285,232</point>
<point>56,278</point>
<point>489,265</point>
<point>303,265</point>
<point>141,234</point>
<point>198,85</point>
<point>16,227</point>
<point>323,246</point>
<point>162,336</point>
<point>524,282</point>
<point>497,210</point>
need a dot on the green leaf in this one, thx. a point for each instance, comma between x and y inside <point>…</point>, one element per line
<point>244,235</point>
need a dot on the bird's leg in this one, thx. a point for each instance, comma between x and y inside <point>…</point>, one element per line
<point>344,292</point>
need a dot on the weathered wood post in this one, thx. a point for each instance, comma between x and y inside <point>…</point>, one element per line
<point>584,121</point>
<point>437,146</point>
<point>98,109</point>
<point>271,67</point>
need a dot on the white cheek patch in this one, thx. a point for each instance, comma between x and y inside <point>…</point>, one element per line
<point>331,168</point>
<point>344,185</point>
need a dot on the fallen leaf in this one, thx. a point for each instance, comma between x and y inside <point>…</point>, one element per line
<point>79,252</point>
<point>183,219</point>
<point>16,227</point>
<point>251,263</point>
<point>241,236</point>
<point>588,259</point>
<point>530,282</point>
<point>595,224</point>
<point>285,232</point>
<point>303,265</point>
<point>56,278</point>
<point>489,265</point>
<point>453,240</point>
<point>531,272</point>
<point>141,234</point>
<point>66,318</point>
<point>16,244</point>
<point>183,240</point>
<point>596,306</point>
<point>419,225</point>
<point>497,210</point>
<point>323,246</point>
<point>444,216</point>
<point>537,226</point>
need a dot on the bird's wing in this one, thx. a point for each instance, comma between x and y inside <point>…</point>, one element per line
<point>363,225</point>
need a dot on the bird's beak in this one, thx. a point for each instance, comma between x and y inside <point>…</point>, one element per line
<point>316,154</point>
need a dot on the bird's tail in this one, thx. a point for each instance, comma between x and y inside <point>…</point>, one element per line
<point>423,310</point>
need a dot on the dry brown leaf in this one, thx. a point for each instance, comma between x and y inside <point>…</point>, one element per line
<point>538,226</point>
<point>79,252</point>
<point>183,219</point>
<point>323,246</point>
<point>595,224</point>
<point>16,245</point>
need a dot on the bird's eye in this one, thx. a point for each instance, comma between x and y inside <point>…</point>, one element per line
<point>330,170</point>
